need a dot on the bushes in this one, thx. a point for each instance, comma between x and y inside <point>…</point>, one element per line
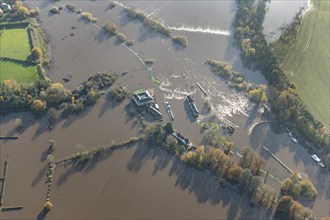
<point>55,97</point>
<point>52,145</point>
<point>37,53</point>
<point>118,93</point>
<point>255,93</point>
<point>130,42</point>
<point>181,40</point>
<point>287,208</point>
<point>23,10</point>
<point>296,186</point>
<point>34,12</point>
<point>258,95</point>
<point>89,17</point>
<point>121,37</point>
<point>54,10</point>
<point>92,96</point>
<point>38,105</point>
<point>73,8</point>
<point>57,94</point>
<point>110,28</point>
<point>149,61</point>
<point>18,123</point>
<point>48,205</point>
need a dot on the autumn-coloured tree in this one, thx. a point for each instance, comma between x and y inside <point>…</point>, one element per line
<point>36,52</point>
<point>48,205</point>
<point>57,94</point>
<point>228,146</point>
<point>247,156</point>
<point>297,186</point>
<point>110,28</point>
<point>255,182</point>
<point>38,105</point>
<point>287,208</point>
<point>23,10</point>
<point>257,164</point>
<point>234,173</point>
<point>244,178</point>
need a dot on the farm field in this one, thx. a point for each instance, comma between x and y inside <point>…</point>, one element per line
<point>308,63</point>
<point>15,44</point>
<point>22,74</point>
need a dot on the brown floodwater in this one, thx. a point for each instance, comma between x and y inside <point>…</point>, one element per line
<point>143,182</point>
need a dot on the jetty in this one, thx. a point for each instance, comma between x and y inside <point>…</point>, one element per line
<point>278,160</point>
<point>202,89</point>
<point>2,191</point>
<point>8,138</point>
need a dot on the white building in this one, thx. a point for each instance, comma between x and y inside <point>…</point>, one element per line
<point>142,98</point>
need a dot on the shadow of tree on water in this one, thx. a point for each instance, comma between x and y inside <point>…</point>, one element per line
<point>40,175</point>
<point>145,153</point>
<point>202,184</point>
<point>85,166</point>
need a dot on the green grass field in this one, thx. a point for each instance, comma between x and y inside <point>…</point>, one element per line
<point>22,74</point>
<point>308,63</point>
<point>15,43</point>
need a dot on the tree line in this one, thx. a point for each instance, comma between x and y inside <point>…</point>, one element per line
<point>256,54</point>
<point>52,98</point>
<point>244,175</point>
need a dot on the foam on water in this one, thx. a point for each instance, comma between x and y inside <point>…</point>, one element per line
<point>224,104</point>
<point>207,30</point>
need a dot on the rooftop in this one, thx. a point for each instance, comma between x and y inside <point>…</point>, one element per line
<point>142,98</point>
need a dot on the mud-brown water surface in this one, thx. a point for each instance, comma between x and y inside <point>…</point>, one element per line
<point>141,182</point>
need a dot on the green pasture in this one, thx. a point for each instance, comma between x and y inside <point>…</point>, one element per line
<point>15,43</point>
<point>307,65</point>
<point>22,74</point>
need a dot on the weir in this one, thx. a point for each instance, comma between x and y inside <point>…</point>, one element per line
<point>207,30</point>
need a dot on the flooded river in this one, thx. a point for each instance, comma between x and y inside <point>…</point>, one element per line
<point>142,182</point>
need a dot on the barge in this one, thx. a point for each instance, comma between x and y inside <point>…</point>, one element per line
<point>169,110</point>
<point>192,106</point>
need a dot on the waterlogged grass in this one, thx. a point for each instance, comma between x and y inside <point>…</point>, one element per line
<point>213,126</point>
<point>15,43</point>
<point>308,63</point>
<point>22,74</point>
<point>157,81</point>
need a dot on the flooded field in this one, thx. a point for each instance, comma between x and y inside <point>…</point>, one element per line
<point>143,182</point>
